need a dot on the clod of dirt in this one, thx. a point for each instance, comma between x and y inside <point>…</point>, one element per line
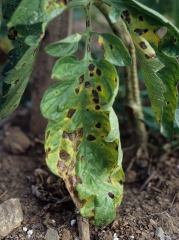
<point>131,176</point>
<point>66,234</point>
<point>51,234</point>
<point>160,233</point>
<point>16,141</point>
<point>11,216</point>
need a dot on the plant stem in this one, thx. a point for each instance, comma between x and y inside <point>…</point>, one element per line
<point>133,102</point>
<point>88,31</point>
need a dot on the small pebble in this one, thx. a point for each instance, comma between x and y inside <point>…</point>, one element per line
<point>30,232</point>
<point>24,229</point>
<point>159,233</point>
<point>51,234</point>
<point>178,166</point>
<point>73,221</point>
<point>168,238</point>
<point>138,209</point>
<point>115,237</point>
<point>132,237</point>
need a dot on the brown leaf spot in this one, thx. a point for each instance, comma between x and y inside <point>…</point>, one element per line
<point>71,112</point>
<point>140,31</point>
<point>111,195</point>
<point>111,46</point>
<point>96,96</point>
<point>77,90</point>
<point>141,18</point>
<point>16,81</point>
<point>91,137</point>
<point>65,134</point>
<point>23,64</point>
<point>127,16</point>
<point>64,155</point>
<point>143,45</point>
<point>97,107</point>
<point>61,166</point>
<point>98,125</point>
<point>87,84</point>
<point>175,40</point>
<point>81,79</point>
<point>91,74</point>
<point>71,166</point>
<point>91,67</point>
<point>98,72</point>
<point>116,148</point>
<point>151,56</point>
<point>99,88</point>
<point>48,133</point>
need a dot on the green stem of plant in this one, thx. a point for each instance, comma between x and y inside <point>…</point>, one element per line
<point>133,102</point>
<point>88,31</point>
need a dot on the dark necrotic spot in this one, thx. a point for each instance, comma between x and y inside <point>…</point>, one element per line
<point>87,84</point>
<point>121,182</point>
<point>61,166</point>
<point>71,112</point>
<point>91,74</point>
<point>151,56</point>
<point>127,16</point>
<point>16,81</point>
<point>97,107</point>
<point>87,23</point>
<point>111,46</point>
<point>141,18</point>
<point>15,105</point>
<point>91,67</point>
<point>77,90</point>
<point>115,79</point>
<point>47,134</point>
<point>175,40</point>
<point>65,134</point>
<point>98,125</point>
<point>126,13</point>
<point>96,96</point>
<point>90,137</point>
<point>98,71</point>
<point>143,45</point>
<point>111,195</point>
<point>64,155</point>
<point>99,88</point>
<point>116,147</point>
<point>140,31</point>
<point>168,103</point>
<point>81,79</point>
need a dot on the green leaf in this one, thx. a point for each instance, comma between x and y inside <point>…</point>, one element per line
<point>114,14</point>
<point>82,137</point>
<point>177,117</point>
<point>157,57</point>
<point>64,47</point>
<point>21,60</point>
<point>35,11</point>
<point>66,67</point>
<point>114,49</point>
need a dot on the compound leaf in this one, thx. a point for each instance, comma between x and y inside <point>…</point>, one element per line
<point>157,56</point>
<point>34,11</point>
<point>82,139</point>
<point>64,47</point>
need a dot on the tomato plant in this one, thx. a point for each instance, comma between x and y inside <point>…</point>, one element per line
<point>82,141</point>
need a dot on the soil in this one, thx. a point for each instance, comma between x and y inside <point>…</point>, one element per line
<point>151,194</point>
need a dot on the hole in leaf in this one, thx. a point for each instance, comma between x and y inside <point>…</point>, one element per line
<point>111,195</point>
<point>98,125</point>
<point>71,112</point>
<point>99,88</point>
<point>81,79</point>
<point>87,84</point>
<point>91,137</point>
<point>64,155</point>
<point>162,31</point>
